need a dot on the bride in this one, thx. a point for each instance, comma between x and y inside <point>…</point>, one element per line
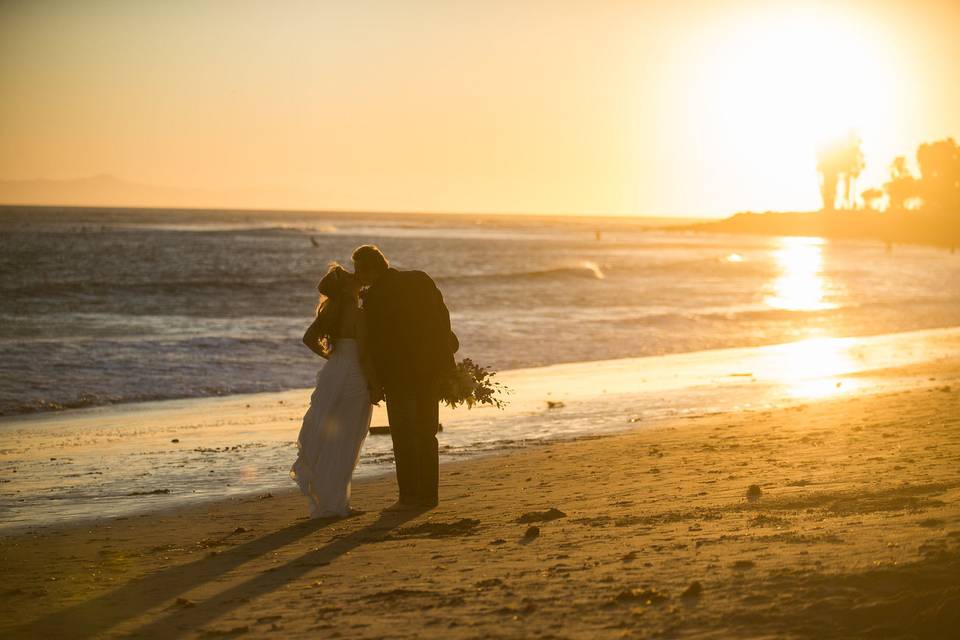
<point>338,419</point>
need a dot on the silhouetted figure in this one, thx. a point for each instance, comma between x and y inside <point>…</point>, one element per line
<point>412,348</point>
<point>314,242</point>
<point>338,419</point>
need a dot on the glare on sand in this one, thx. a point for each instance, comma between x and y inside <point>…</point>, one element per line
<point>800,285</point>
<point>813,368</point>
<point>809,367</point>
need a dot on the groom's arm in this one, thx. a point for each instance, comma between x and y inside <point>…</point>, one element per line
<point>443,315</point>
<point>373,323</point>
<point>367,363</point>
<point>439,316</point>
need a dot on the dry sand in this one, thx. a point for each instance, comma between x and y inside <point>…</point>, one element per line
<point>852,529</point>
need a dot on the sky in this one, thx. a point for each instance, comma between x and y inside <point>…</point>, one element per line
<point>682,108</point>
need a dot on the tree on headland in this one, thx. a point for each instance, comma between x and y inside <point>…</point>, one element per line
<point>922,207</point>
<point>871,198</point>
<point>902,186</point>
<point>939,184</point>
<point>836,159</point>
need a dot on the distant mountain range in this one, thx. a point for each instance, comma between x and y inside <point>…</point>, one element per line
<point>110,191</point>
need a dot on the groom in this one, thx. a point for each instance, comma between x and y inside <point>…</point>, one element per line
<point>412,346</point>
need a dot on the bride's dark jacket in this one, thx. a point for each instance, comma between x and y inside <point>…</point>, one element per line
<point>408,327</point>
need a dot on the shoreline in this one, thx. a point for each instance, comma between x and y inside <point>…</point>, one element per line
<point>194,403</point>
<point>853,529</point>
<point>117,461</point>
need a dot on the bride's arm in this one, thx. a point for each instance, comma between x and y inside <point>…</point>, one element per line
<point>366,360</point>
<point>312,339</point>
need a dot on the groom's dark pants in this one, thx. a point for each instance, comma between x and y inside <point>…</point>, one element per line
<point>414,416</point>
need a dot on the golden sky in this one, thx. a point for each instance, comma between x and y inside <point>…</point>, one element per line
<point>687,107</point>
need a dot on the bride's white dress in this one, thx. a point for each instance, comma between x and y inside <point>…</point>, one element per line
<point>333,432</point>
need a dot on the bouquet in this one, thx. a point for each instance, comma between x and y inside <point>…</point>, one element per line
<point>471,384</point>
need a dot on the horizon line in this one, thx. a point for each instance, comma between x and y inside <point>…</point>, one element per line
<point>372,212</point>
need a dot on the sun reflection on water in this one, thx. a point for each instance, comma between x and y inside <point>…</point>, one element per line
<point>800,287</point>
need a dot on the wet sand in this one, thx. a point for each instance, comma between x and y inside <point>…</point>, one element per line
<point>838,518</point>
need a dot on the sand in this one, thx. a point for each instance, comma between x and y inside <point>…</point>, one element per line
<point>839,518</point>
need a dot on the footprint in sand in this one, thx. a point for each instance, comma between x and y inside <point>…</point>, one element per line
<point>541,516</point>
<point>693,591</point>
<point>462,527</point>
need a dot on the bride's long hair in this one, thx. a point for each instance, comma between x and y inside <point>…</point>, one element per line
<point>330,304</point>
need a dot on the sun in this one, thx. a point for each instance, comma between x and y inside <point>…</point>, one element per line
<point>772,85</point>
<point>815,71</point>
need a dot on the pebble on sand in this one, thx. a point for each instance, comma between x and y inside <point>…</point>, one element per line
<point>531,533</point>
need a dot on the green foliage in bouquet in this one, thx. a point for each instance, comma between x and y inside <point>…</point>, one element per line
<point>471,384</point>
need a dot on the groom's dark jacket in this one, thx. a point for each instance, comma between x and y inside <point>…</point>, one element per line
<point>408,327</point>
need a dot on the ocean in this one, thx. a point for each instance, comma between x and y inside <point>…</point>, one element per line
<point>103,306</point>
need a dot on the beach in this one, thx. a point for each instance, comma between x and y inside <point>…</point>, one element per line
<point>680,280</point>
<point>706,436</point>
<point>831,516</point>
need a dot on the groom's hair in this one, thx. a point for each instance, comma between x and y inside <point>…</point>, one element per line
<point>370,258</point>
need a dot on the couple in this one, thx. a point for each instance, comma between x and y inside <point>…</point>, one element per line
<point>398,345</point>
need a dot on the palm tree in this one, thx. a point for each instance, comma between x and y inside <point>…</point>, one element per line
<point>835,159</point>
<point>829,166</point>
<point>853,164</point>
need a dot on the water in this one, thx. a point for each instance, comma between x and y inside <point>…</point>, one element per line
<point>109,306</point>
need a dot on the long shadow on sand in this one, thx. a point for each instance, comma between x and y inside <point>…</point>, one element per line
<point>100,614</point>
